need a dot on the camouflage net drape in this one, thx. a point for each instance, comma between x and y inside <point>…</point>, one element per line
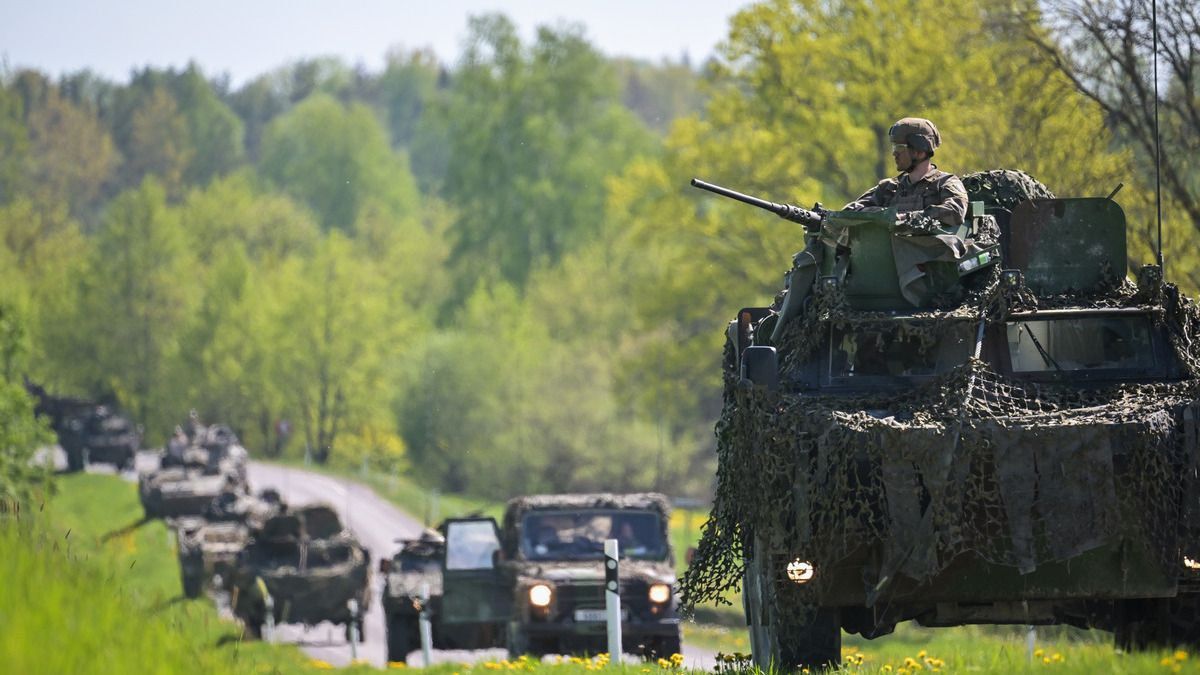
<point>954,466</point>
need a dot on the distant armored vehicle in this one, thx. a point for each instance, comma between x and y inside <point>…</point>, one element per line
<point>1021,448</point>
<point>537,586</point>
<point>193,475</point>
<point>209,545</point>
<point>89,432</point>
<point>412,582</point>
<point>302,567</point>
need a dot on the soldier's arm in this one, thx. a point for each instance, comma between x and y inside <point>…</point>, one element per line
<point>952,208</point>
<point>875,198</point>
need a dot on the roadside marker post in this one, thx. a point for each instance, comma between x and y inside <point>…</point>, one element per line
<point>424,627</point>
<point>612,599</point>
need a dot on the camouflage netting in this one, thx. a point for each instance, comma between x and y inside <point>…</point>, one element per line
<point>971,463</point>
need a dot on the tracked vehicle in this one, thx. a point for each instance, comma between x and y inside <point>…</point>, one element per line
<point>1022,449</point>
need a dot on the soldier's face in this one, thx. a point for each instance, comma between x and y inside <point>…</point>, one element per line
<point>902,154</point>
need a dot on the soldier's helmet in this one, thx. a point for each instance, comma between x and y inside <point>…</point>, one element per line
<point>917,133</point>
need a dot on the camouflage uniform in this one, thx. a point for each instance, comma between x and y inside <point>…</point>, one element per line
<point>925,212</point>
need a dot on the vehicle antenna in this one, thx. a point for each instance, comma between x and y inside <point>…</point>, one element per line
<point>1157,140</point>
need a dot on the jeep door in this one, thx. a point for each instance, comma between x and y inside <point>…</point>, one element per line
<point>474,589</point>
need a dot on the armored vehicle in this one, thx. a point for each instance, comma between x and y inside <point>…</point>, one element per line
<point>302,566</point>
<point>1022,448</point>
<point>412,583</point>
<point>188,487</point>
<point>536,585</point>
<point>209,545</point>
<point>89,432</point>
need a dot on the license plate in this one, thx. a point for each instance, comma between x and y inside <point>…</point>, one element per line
<point>589,615</point>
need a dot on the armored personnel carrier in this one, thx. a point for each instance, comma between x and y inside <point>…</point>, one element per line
<point>536,585</point>
<point>208,546</point>
<point>1022,448</point>
<point>188,487</point>
<point>89,432</point>
<point>302,566</point>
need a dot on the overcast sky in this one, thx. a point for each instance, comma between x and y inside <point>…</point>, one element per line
<point>246,38</point>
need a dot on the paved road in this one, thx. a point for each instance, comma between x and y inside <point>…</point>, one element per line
<point>377,524</point>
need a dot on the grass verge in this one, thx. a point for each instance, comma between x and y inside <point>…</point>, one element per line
<point>88,587</point>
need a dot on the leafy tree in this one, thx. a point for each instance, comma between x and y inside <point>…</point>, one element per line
<point>336,159</point>
<point>532,134</point>
<point>333,334</point>
<point>133,298</point>
<point>236,211</point>
<point>14,144</point>
<point>158,144</point>
<point>21,433</point>
<point>408,85</point>
<point>215,131</point>
<point>659,93</point>
<point>71,155</point>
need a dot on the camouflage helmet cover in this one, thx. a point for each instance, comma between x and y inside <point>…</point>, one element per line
<point>917,133</point>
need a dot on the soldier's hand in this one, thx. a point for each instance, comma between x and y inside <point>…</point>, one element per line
<point>915,223</point>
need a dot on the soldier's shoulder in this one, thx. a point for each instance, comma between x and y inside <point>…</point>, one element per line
<point>948,180</point>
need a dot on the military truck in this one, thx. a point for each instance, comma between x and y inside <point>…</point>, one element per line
<point>536,585</point>
<point>88,432</point>
<point>208,546</point>
<point>1022,449</point>
<point>302,566</point>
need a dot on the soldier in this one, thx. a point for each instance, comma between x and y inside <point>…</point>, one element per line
<point>929,203</point>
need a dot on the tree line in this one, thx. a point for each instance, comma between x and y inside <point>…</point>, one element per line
<point>491,275</point>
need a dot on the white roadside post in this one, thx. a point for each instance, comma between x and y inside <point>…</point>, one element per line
<point>424,627</point>
<point>352,628</point>
<point>612,600</point>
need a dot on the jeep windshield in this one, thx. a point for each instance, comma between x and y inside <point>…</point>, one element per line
<point>580,534</point>
<point>1109,346</point>
<point>896,352</point>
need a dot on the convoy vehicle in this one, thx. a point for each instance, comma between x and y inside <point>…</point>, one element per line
<point>302,566</point>
<point>1022,449</point>
<point>536,584</point>
<point>89,432</point>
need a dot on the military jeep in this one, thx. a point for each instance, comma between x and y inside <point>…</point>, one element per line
<point>536,585</point>
<point>1021,450</point>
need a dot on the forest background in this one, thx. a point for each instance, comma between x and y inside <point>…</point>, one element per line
<point>492,275</point>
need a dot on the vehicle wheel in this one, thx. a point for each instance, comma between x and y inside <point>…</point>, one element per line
<point>193,584</point>
<point>128,463</point>
<point>1158,623</point>
<point>664,647</point>
<point>253,628</point>
<point>518,640</point>
<point>75,460</point>
<point>780,642</point>
<point>402,637</point>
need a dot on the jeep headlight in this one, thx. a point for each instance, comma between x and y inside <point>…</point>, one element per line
<point>539,595</point>
<point>660,593</point>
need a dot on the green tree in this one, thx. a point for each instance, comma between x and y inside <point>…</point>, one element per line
<point>158,144</point>
<point>22,480</point>
<point>14,143</point>
<point>71,155</point>
<point>133,298</point>
<point>335,335</point>
<point>337,159</point>
<point>533,133</point>
<point>214,130</point>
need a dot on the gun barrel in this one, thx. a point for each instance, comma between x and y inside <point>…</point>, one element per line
<point>734,194</point>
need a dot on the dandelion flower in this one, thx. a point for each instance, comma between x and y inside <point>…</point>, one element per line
<point>1181,655</point>
<point>397,665</point>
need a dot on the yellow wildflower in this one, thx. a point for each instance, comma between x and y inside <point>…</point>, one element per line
<point>887,668</point>
<point>1181,655</point>
<point>1057,658</point>
<point>322,665</point>
<point>1046,660</point>
<point>910,662</point>
<point>1039,653</point>
<point>663,663</point>
<point>1166,661</point>
<point>921,654</point>
<point>397,665</point>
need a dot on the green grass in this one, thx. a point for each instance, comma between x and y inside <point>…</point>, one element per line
<point>87,587</point>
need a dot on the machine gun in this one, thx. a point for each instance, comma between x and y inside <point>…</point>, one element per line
<point>811,220</point>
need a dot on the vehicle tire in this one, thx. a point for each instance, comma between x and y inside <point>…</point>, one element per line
<point>1158,623</point>
<point>518,640</point>
<point>402,637</point>
<point>128,463</point>
<point>782,643</point>
<point>253,628</point>
<point>663,647</point>
<point>74,460</point>
<point>193,585</point>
